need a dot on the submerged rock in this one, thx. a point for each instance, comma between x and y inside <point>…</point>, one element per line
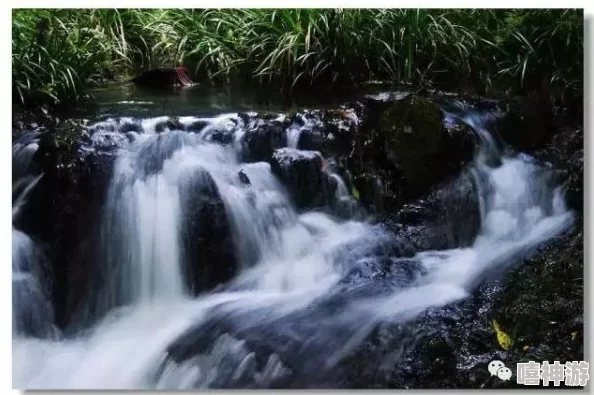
<point>243,178</point>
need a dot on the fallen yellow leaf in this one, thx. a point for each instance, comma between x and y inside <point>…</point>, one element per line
<point>505,341</point>
<point>355,192</point>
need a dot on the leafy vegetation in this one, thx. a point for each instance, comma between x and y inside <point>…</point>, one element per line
<point>59,53</point>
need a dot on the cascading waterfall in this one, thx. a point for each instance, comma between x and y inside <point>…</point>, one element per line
<point>32,312</point>
<point>310,295</point>
<point>300,124</point>
<point>23,151</point>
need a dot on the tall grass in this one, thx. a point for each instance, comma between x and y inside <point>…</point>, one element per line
<point>58,53</point>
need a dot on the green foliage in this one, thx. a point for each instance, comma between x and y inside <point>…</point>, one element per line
<point>58,53</point>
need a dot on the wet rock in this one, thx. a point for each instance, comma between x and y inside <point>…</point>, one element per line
<point>370,191</point>
<point>439,356</point>
<point>169,124</point>
<point>413,134</point>
<point>448,217</point>
<point>331,131</point>
<point>539,304</point>
<point>565,151</point>
<point>244,178</point>
<point>220,133</point>
<point>302,174</point>
<point>529,123</point>
<point>306,131</point>
<point>542,302</point>
<point>405,144</point>
<point>206,234</point>
<point>196,125</point>
<point>129,126</point>
<point>64,211</point>
<point>261,138</point>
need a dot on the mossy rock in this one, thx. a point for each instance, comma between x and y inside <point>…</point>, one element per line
<point>529,123</point>
<point>413,131</point>
<point>366,189</point>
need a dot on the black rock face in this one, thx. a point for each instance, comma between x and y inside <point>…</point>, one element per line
<point>302,174</point>
<point>206,235</point>
<point>261,138</point>
<point>64,211</point>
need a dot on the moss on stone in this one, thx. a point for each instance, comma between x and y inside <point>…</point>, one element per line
<point>413,131</point>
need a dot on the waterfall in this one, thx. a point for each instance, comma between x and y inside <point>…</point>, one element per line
<point>307,290</point>
<point>143,217</point>
<point>300,124</point>
<point>32,311</point>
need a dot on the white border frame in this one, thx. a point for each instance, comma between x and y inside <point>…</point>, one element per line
<point>6,137</point>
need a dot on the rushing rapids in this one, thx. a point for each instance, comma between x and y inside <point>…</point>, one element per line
<point>306,290</point>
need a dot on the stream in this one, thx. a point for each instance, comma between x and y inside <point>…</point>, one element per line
<point>309,289</point>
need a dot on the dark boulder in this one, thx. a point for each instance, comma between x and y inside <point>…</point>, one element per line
<point>403,147</point>
<point>413,135</point>
<point>261,138</point>
<point>374,187</point>
<point>529,123</point>
<point>310,130</point>
<point>302,173</point>
<point>206,234</point>
<point>221,133</point>
<point>565,151</point>
<point>330,131</point>
<point>448,217</point>
<point>169,124</point>
<point>164,78</point>
<point>65,210</point>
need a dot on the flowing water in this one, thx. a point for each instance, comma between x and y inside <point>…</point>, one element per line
<point>32,312</point>
<point>308,290</point>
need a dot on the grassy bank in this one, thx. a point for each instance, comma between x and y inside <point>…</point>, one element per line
<point>57,54</point>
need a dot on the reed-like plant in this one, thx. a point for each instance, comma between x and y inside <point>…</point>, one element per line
<point>57,54</point>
